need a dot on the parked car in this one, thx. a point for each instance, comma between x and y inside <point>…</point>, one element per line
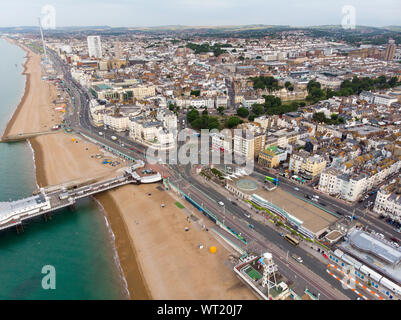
<point>296,189</point>
<point>221,203</point>
<point>246,214</point>
<point>251,226</point>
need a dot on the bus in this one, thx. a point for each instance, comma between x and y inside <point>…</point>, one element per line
<point>291,240</point>
<point>271,179</point>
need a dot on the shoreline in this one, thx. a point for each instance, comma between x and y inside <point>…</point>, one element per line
<point>122,246</point>
<point>137,285</point>
<point>143,233</point>
<point>27,88</point>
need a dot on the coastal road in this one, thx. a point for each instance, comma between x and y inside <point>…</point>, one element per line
<point>262,237</point>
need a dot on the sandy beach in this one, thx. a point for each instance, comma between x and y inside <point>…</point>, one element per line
<point>35,112</point>
<point>160,260</point>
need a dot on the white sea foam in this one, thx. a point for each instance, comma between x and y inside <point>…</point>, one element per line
<point>34,162</point>
<point>115,253</point>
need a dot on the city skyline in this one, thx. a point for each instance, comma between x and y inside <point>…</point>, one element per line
<point>199,13</point>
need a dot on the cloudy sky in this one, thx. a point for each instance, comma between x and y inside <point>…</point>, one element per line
<point>137,13</point>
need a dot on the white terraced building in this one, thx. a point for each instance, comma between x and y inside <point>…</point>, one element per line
<point>352,186</point>
<point>388,204</point>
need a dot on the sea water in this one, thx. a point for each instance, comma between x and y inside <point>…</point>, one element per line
<point>77,243</point>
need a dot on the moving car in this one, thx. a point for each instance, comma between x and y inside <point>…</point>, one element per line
<point>251,226</point>
<point>297,258</point>
<point>221,203</point>
<point>296,189</point>
<point>246,214</point>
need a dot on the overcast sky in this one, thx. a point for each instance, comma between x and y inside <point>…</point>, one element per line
<point>137,13</point>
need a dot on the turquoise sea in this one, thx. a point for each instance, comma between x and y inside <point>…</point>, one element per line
<point>77,243</point>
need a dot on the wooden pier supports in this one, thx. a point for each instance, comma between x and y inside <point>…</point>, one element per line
<point>47,216</point>
<point>19,228</point>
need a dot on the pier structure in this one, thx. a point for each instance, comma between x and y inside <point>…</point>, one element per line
<point>13,213</point>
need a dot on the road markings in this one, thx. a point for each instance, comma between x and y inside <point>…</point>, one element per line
<point>347,285</point>
<point>356,281</point>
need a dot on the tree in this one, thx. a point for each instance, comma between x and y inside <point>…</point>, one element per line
<point>287,84</point>
<point>213,123</point>
<point>232,122</point>
<point>204,112</point>
<point>192,115</point>
<point>220,110</point>
<point>319,117</point>
<point>243,112</point>
<point>251,117</point>
<point>195,93</point>
<point>258,109</point>
<point>312,84</point>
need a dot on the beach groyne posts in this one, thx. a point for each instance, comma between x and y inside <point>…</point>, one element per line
<point>25,136</point>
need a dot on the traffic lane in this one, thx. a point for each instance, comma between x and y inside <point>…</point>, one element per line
<point>272,235</point>
<point>300,282</point>
<point>313,264</point>
<point>239,226</point>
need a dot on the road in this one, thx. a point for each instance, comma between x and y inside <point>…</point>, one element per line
<point>262,237</point>
<point>336,206</point>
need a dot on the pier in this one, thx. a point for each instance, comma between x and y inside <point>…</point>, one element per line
<point>26,136</point>
<point>53,198</point>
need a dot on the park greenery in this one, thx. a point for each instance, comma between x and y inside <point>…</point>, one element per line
<point>242,112</point>
<point>232,122</point>
<point>203,121</point>
<point>266,83</point>
<point>205,47</point>
<point>272,106</point>
<point>349,87</point>
<point>334,118</point>
<point>195,93</point>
